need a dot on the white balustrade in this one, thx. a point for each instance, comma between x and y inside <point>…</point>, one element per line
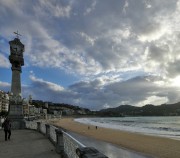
<point>31,125</point>
<point>64,142</point>
<point>43,128</point>
<point>53,133</point>
<point>70,145</point>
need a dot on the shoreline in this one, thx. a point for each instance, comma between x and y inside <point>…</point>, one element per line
<point>146,144</point>
<point>156,134</point>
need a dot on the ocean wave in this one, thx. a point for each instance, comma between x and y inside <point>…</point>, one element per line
<point>158,126</point>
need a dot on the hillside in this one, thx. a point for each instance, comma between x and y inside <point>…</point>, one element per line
<point>122,110</point>
<point>147,110</point>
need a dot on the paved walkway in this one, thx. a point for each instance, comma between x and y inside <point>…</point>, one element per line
<point>26,144</point>
<point>31,144</point>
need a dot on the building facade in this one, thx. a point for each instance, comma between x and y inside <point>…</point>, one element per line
<point>4,101</point>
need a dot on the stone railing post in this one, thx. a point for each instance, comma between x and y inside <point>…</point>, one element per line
<point>47,130</point>
<point>60,143</point>
<point>89,152</point>
<point>39,126</point>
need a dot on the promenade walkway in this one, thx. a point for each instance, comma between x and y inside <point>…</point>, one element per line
<point>29,143</point>
<point>26,144</point>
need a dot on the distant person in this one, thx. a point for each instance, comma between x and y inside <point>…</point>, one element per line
<point>7,128</point>
<point>88,127</point>
<point>96,127</point>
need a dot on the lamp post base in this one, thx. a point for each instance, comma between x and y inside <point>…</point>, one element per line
<point>16,116</point>
<point>17,123</point>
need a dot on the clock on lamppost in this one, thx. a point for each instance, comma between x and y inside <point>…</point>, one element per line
<point>16,48</point>
<point>16,102</point>
<point>17,61</point>
<point>16,56</point>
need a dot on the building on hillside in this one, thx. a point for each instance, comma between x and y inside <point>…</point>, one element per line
<point>25,109</point>
<point>0,105</point>
<point>31,110</point>
<point>67,111</point>
<point>30,99</point>
<point>4,101</point>
<point>81,112</point>
<point>46,105</point>
<point>57,113</point>
<point>37,110</point>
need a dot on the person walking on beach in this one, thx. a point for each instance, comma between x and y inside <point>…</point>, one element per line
<point>7,128</point>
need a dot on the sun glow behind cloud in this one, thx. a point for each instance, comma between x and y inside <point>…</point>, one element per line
<point>175,81</point>
<point>155,100</point>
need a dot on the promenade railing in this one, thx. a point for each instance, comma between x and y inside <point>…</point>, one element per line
<point>31,125</point>
<point>53,137</point>
<point>66,145</point>
<point>71,144</point>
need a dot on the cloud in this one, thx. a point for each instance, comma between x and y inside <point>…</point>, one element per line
<point>106,44</point>
<point>91,8</point>
<point>5,86</point>
<point>103,92</point>
<point>48,91</point>
<point>155,100</point>
<point>100,93</point>
<point>80,58</point>
<point>47,84</point>
<point>152,32</point>
<point>4,61</point>
<point>125,6</point>
<point>53,8</point>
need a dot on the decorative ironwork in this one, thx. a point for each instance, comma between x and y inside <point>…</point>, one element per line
<point>17,34</point>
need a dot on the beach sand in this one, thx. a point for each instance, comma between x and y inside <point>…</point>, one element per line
<point>150,145</point>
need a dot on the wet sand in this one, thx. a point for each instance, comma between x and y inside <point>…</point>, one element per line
<point>151,145</point>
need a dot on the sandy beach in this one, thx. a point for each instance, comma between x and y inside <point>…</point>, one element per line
<point>150,145</point>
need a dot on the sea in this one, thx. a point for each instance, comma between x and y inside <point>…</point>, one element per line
<point>168,126</point>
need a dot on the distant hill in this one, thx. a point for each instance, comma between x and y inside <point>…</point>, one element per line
<point>122,110</point>
<point>147,110</point>
<point>60,106</point>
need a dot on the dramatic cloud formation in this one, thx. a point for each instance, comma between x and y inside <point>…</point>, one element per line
<point>121,52</point>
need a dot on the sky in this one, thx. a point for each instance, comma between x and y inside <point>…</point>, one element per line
<point>94,53</point>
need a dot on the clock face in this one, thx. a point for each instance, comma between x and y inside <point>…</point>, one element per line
<point>16,49</point>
